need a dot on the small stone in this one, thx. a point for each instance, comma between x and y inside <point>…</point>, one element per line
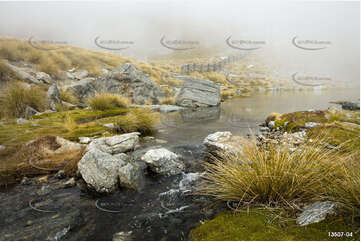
<point>22,121</point>
<point>29,111</point>
<point>84,140</point>
<point>2,147</point>
<point>43,179</point>
<point>271,124</point>
<point>44,190</point>
<point>264,129</point>
<point>122,236</point>
<point>316,212</point>
<point>148,138</point>
<point>311,124</point>
<point>161,141</point>
<point>61,174</point>
<point>70,183</point>
<point>25,181</point>
<point>110,125</point>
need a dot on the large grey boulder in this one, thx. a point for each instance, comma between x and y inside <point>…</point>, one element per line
<point>100,170</point>
<point>127,79</point>
<point>54,97</point>
<point>22,75</point>
<point>198,93</point>
<point>163,161</point>
<point>116,144</point>
<point>223,142</point>
<point>83,88</point>
<point>316,212</point>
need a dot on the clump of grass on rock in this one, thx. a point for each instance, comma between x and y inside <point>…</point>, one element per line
<point>106,101</point>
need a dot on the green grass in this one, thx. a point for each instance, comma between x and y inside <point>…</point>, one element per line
<point>266,225</point>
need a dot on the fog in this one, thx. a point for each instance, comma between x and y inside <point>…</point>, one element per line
<point>208,22</point>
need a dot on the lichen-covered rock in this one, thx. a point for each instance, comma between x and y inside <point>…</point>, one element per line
<point>83,89</point>
<point>163,161</point>
<point>100,170</point>
<point>44,77</point>
<point>316,212</point>
<point>198,93</point>
<point>223,142</point>
<point>54,96</point>
<point>131,176</point>
<point>116,144</point>
<point>128,79</point>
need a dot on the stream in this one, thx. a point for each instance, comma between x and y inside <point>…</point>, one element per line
<point>164,208</point>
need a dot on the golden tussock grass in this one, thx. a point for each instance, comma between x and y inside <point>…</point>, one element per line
<point>278,177</point>
<point>106,101</point>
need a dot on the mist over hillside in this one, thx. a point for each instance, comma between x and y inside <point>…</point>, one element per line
<point>140,25</point>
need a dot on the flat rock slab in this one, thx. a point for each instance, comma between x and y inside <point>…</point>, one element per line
<point>316,212</point>
<point>198,93</point>
<point>116,144</point>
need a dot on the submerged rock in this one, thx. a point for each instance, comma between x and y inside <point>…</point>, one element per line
<point>316,212</point>
<point>163,161</point>
<point>198,93</point>
<point>22,121</point>
<point>116,144</point>
<point>100,170</point>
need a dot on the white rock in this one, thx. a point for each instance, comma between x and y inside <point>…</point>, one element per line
<point>316,212</point>
<point>100,170</point>
<point>163,161</point>
<point>84,140</point>
<point>116,144</point>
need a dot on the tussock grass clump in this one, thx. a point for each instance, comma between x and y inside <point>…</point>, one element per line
<point>15,97</point>
<point>275,176</point>
<point>344,188</point>
<point>106,101</point>
<point>68,96</point>
<point>5,73</point>
<point>140,120</point>
<point>167,100</point>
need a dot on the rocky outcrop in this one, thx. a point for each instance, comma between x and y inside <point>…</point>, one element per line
<point>350,105</point>
<point>223,142</point>
<point>105,163</point>
<point>83,88</point>
<point>116,144</point>
<point>22,75</point>
<point>163,161</point>
<point>127,79</point>
<point>198,93</point>
<point>316,212</point>
<point>54,97</point>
